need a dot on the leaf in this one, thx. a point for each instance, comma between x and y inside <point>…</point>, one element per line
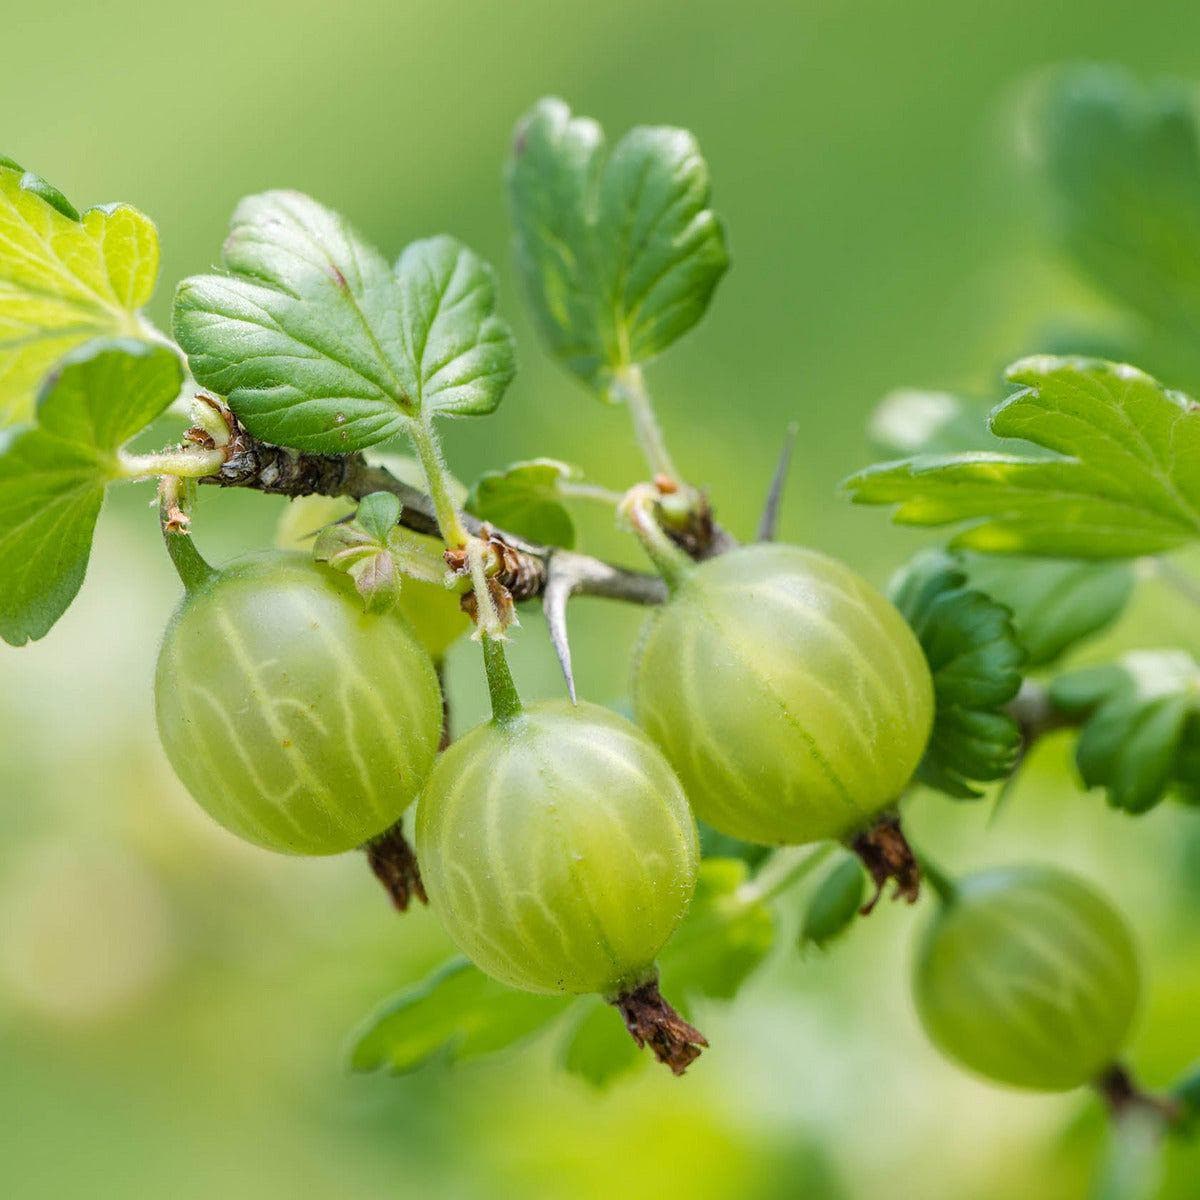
<point>723,938</point>
<point>317,343</point>
<point>1123,164</point>
<point>619,255</point>
<point>599,1048</point>
<point>975,659</point>
<point>726,934</point>
<point>64,278</point>
<point>457,1013</point>
<point>1125,482</point>
<point>378,514</point>
<point>373,550</point>
<point>524,498</point>
<point>1055,603</point>
<point>53,475</point>
<point>1142,725</point>
<point>835,903</point>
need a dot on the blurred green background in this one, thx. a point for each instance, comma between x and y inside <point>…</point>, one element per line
<point>174,1005</point>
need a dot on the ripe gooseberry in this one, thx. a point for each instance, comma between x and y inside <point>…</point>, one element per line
<point>792,699</point>
<point>1028,977</point>
<point>558,849</point>
<point>295,719</point>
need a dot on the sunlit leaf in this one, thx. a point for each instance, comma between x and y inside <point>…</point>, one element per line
<point>525,498</point>
<point>620,253</point>
<point>457,1013</point>
<point>316,342</point>
<point>64,278</point>
<point>1125,479</point>
<point>53,474</point>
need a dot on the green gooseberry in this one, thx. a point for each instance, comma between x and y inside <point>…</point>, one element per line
<point>558,849</point>
<point>295,719</point>
<point>792,699</point>
<point>1029,977</point>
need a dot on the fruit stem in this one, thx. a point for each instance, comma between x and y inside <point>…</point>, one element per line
<point>638,508</point>
<point>1122,1095</point>
<point>506,702</point>
<point>629,387</point>
<point>425,442</point>
<point>652,1021</point>
<point>192,568</point>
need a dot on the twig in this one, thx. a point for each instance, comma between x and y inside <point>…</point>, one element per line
<point>281,472</point>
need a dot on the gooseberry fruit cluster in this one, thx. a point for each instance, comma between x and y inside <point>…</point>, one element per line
<point>776,695</point>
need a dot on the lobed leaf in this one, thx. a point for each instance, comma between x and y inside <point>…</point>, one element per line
<point>525,498</point>
<point>457,1013</point>
<point>1141,730</point>
<point>1122,161</point>
<point>64,278</point>
<point>1055,603</point>
<point>620,255</point>
<point>317,343</point>
<point>53,474</point>
<point>975,659</point>
<point>1125,479</point>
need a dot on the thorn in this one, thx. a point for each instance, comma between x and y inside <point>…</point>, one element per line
<point>554,605</point>
<point>770,514</point>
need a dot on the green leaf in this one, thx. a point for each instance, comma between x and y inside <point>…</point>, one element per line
<point>723,938</point>
<point>378,514</point>
<point>317,343</point>
<point>620,254</point>
<point>64,278</point>
<point>457,1013</point>
<point>1055,603</point>
<point>1125,480</point>
<point>53,475</point>
<point>835,903</point>
<point>1142,727</point>
<point>525,498</point>
<point>50,497</point>
<point>108,390</point>
<point>598,1047</point>
<point>1123,164</point>
<point>975,658</point>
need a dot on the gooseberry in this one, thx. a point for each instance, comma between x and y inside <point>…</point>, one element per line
<point>791,698</point>
<point>1028,977</point>
<point>295,719</point>
<point>558,849</point>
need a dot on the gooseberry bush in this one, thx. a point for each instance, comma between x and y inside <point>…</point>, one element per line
<point>781,708</point>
